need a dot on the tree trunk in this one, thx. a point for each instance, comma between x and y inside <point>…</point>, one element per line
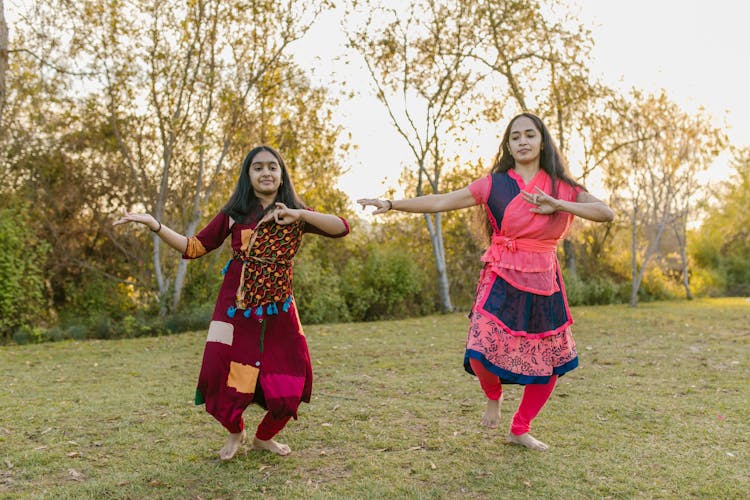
<point>3,58</point>
<point>570,258</point>
<point>650,251</point>
<point>682,242</point>
<point>179,279</point>
<point>634,259</point>
<point>438,251</point>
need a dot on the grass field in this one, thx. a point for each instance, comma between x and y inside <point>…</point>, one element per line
<point>659,408</point>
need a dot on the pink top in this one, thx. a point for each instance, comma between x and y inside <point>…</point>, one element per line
<point>523,249</point>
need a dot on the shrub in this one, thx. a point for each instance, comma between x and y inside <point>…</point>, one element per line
<point>317,290</point>
<point>23,259</point>
<point>384,284</point>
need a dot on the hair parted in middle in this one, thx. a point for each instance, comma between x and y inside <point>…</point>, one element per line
<point>244,200</point>
<point>551,160</point>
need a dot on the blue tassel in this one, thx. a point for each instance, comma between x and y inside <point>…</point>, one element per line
<point>231,311</point>
<point>272,309</point>
<point>259,311</point>
<point>287,304</point>
<point>226,268</point>
<point>247,313</point>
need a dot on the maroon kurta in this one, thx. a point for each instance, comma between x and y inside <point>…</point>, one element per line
<point>254,355</point>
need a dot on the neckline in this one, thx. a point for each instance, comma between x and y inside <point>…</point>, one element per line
<point>515,175</point>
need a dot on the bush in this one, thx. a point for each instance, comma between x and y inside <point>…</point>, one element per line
<point>595,290</point>
<point>190,319</point>
<point>317,291</point>
<point>384,284</point>
<point>23,259</point>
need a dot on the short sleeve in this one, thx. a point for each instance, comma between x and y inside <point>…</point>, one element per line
<point>480,189</point>
<point>209,238</point>
<point>567,192</point>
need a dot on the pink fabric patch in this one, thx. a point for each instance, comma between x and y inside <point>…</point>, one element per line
<point>279,386</point>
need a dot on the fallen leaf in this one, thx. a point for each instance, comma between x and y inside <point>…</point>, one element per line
<point>730,454</point>
<point>527,483</point>
<point>433,466</point>
<point>73,454</point>
<point>720,416</point>
<point>75,475</point>
<point>326,424</point>
<point>154,483</point>
<point>8,463</point>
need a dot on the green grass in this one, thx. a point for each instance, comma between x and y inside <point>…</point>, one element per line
<point>658,409</point>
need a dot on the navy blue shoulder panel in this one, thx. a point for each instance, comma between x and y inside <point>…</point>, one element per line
<point>504,189</point>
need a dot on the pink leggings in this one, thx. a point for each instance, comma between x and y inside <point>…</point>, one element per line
<point>534,396</point>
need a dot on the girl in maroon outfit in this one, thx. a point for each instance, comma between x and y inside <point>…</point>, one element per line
<point>255,350</point>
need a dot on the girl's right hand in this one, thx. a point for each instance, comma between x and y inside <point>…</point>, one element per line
<point>381,206</point>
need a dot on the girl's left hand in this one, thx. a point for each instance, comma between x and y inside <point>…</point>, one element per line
<point>543,203</point>
<point>284,216</point>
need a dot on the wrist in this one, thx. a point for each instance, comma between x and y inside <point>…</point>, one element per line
<point>390,205</point>
<point>158,228</point>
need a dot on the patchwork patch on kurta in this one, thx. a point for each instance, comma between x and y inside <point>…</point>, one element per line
<point>242,377</point>
<point>220,331</point>
<point>279,386</point>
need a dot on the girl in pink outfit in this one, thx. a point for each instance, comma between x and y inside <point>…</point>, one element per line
<point>519,329</point>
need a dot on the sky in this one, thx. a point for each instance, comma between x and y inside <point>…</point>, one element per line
<point>696,50</point>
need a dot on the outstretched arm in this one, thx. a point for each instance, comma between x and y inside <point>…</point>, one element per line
<point>586,206</point>
<point>168,236</point>
<point>431,203</point>
<point>327,223</point>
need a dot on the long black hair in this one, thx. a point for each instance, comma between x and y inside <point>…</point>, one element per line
<point>550,160</point>
<point>244,201</point>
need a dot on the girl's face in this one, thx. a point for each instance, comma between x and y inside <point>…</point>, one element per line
<point>265,174</point>
<point>525,141</point>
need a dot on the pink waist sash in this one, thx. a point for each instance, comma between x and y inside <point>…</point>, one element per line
<point>527,264</point>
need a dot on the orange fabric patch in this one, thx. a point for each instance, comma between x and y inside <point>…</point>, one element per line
<point>245,235</point>
<point>242,377</point>
<point>195,248</point>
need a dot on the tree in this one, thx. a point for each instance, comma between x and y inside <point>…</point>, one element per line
<point>659,151</point>
<point>3,59</point>
<point>416,59</point>
<point>147,105</point>
<point>722,243</point>
<point>180,88</point>
<point>542,58</point>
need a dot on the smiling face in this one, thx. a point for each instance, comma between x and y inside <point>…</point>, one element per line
<point>525,141</point>
<point>265,175</point>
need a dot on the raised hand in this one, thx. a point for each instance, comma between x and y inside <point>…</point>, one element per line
<point>543,203</point>
<point>284,215</point>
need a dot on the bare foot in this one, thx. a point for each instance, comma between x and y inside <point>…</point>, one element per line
<point>233,444</point>
<point>272,446</point>
<point>527,440</point>
<point>491,417</point>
